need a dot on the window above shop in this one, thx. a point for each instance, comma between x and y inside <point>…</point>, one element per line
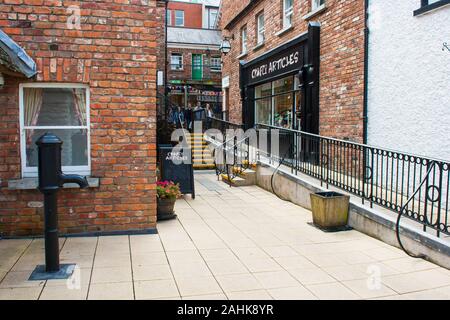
<point>179,18</point>
<point>244,44</point>
<point>176,61</point>
<point>430,5</point>
<point>288,12</point>
<point>62,109</point>
<point>316,4</point>
<point>260,29</point>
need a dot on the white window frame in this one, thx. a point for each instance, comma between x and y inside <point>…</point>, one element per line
<point>210,9</point>
<point>29,172</point>
<point>316,4</point>
<point>169,17</point>
<point>260,28</point>
<point>288,12</point>
<point>176,18</point>
<point>215,67</point>
<point>244,40</point>
<point>172,65</point>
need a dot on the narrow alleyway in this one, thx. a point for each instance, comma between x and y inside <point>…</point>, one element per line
<point>229,243</point>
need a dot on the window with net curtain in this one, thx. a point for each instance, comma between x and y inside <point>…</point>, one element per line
<point>63,111</point>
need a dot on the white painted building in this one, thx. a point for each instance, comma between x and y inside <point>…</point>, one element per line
<point>409,76</point>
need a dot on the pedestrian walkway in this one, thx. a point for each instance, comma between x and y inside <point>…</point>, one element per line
<point>229,243</point>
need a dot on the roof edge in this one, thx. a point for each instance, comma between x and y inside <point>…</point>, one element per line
<point>19,58</point>
<point>241,14</point>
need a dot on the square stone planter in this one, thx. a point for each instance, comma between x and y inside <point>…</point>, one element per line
<point>330,210</point>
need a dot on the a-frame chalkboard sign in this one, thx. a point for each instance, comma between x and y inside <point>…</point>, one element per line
<point>172,170</point>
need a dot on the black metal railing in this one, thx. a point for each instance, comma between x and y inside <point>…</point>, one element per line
<point>223,125</point>
<point>232,157</point>
<point>231,151</point>
<point>383,177</point>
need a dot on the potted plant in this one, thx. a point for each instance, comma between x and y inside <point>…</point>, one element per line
<point>330,210</point>
<point>167,193</point>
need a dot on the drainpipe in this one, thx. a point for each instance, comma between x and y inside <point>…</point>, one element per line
<point>166,61</point>
<point>366,71</point>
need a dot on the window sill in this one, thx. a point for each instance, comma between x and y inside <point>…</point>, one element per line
<point>284,30</point>
<point>314,13</point>
<point>258,46</point>
<point>32,184</point>
<point>431,7</point>
<point>242,55</point>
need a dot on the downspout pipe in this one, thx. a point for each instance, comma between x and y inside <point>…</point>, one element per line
<point>366,72</point>
<point>166,57</point>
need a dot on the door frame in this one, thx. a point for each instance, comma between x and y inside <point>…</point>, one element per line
<point>194,55</point>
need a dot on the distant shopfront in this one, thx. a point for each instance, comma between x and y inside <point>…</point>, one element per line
<point>280,88</point>
<point>181,95</point>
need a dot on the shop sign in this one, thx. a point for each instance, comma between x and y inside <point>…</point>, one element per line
<point>288,60</point>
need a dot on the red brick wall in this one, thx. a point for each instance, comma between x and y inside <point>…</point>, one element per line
<point>192,13</point>
<point>115,54</point>
<point>342,58</point>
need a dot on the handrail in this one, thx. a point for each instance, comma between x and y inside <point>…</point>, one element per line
<point>383,177</point>
<point>405,206</point>
<point>347,141</point>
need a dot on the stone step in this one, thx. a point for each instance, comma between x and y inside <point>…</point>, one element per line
<point>201,151</point>
<point>208,161</point>
<point>200,144</point>
<point>204,166</point>
<point>249,175</point>
<point>235,182</point>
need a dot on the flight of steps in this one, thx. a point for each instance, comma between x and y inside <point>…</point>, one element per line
<point>243,178</point>
<point>201,155</point>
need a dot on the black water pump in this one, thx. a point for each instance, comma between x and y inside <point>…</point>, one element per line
<point>51,179</point>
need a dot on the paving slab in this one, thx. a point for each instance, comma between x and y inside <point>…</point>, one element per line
<point>228,243</point>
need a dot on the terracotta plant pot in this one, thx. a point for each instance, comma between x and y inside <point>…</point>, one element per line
<point>330,210</point>
<point>166,209</point>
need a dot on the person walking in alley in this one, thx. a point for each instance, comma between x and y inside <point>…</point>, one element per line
<point>178,117</point>
<point>209,115</point>
<point>198,112</point>
<point>188,116</point>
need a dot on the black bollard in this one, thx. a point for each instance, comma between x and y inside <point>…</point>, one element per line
<point>51,179</point>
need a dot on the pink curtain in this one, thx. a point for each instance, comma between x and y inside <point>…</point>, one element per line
<point>32,102</point>
<point>79,98</point>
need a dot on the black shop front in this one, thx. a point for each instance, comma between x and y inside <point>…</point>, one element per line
<point>281,87</point>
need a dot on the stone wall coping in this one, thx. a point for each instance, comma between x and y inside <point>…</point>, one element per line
<point>32,184</point>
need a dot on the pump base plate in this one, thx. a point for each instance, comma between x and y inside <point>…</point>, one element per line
<point>65,272</point>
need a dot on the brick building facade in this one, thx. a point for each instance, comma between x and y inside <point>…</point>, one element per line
<point>192,14</point>
<point>341,75</point>
<point>194,69</point>
<point>108,61</point>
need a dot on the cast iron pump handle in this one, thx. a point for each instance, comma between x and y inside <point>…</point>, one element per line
<point>73,178</point>
<point>51,179</point>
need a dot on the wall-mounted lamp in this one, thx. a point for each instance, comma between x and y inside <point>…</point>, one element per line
<point>225,46</point>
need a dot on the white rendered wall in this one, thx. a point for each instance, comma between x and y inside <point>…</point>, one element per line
<point>409,78</point>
